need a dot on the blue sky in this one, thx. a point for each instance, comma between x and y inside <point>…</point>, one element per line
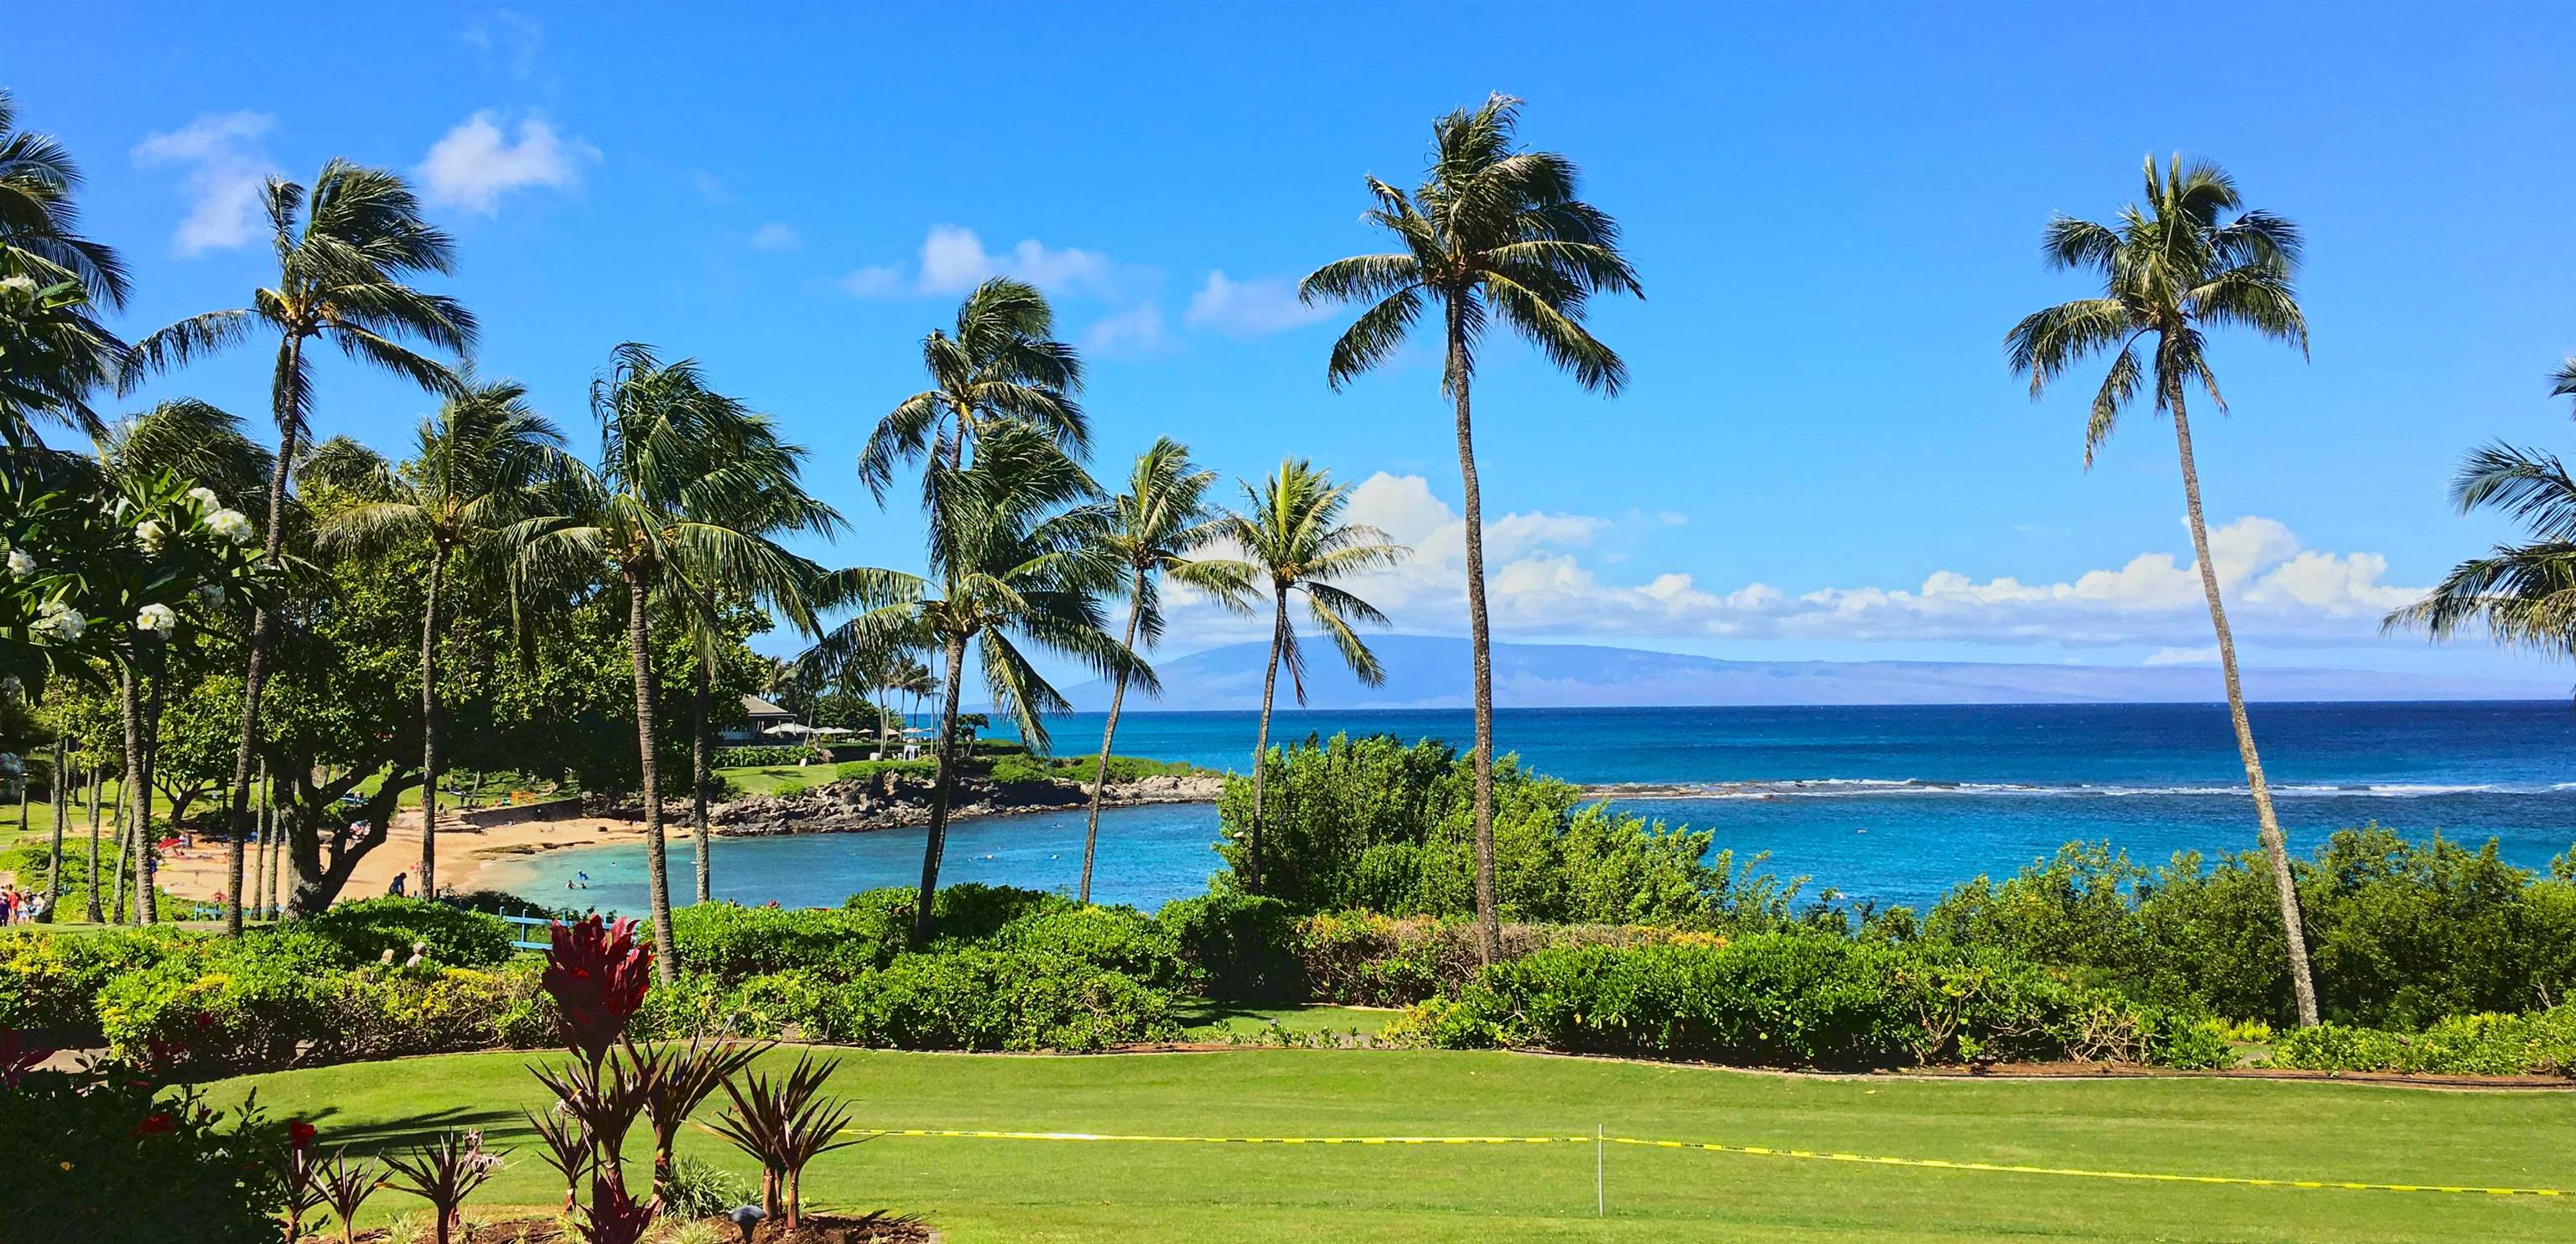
<point>1835,213</point>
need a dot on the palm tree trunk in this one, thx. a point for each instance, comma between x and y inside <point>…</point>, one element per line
<point>640,648</point>
<point>92,911</point>
<point>1261,744</point>
<point>59,797</point>
<point>1108,735</point>
<point>429,724</point>
<point>287,401</point>
<point>698,785</point>
<point>2285,888</point>
<point>1489,929</point>
<point>944,776</point>
<point>130,710</point>
<point>147,898</point>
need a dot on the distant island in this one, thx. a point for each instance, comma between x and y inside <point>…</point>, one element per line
<point>1426,671</point>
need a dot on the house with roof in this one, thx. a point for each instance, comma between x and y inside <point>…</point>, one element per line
<point>761,715</point>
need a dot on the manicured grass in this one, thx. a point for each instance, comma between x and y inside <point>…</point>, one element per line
<point>1204,1020</point>
<point>980,1191</point>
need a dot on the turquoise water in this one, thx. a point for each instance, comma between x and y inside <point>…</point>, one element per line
<point>1893,804</point>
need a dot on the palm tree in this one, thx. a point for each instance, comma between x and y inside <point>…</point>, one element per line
<point>652,517</point>
<point>39,224</point>
<point>1016,560</point>
<point>1291,531</point>
<point>1492,233</point>
<point>478,466</point>
<point>2521,595</point>
<point>2170,270</point>
<point>1002,366</point>
<point>1154,527</point>
<point>344,254</point>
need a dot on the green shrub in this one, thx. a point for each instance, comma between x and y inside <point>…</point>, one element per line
<point>113,1157</point>
<point>50,981</point>
<point>993,1000</point>
<point>454,937</point>
<point>1804,1000</point>
<point>698,1005</point>
<point>1121,939</point>
<point>974,912</point>
<point>761,757</point>
<point>1241,945</point>
<point>730,943</point>
<point>2542,1043</point>
<point>226,1004</point>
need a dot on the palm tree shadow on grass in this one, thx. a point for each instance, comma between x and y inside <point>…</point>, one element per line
<point>501,1128</point>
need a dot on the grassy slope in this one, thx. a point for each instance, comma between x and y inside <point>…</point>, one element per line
<point>990,1190</point>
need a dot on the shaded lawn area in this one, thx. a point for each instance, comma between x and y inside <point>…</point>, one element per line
<point>988,1191</point>
<point>1203,1019</point>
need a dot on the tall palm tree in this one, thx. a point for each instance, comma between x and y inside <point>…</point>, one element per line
<point>1154,528</point>
<point>1002,365</point>
<point>1493,233</point>
<point>39,224</point>
<point>2171,269</point>
<point>1290,529</point>
<point>2521,595</point>
<point>345,253</point>
<point>651,517</point>
<point>477,466</point>
<point>1016,560</point>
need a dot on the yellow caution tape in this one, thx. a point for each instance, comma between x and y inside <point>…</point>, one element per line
<point>2247,1181</point>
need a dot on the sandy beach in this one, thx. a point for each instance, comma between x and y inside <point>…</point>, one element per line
<point>463,850</point>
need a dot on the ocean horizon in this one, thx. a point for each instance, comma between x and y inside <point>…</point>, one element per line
<point>1888,804</point>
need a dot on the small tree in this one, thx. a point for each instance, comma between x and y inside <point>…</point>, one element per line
<point>783,1125</point>
<point>444,1173</point>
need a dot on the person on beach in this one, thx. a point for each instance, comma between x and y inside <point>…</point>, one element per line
<point>396,890</point>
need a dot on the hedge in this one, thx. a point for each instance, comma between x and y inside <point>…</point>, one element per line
<point>2542,1043</point>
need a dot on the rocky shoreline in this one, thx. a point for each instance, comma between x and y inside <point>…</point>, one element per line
<point>890,801</point>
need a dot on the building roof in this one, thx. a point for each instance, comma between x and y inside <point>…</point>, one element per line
<point>758,707</point>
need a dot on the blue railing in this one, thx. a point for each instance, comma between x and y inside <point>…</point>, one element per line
<point>532,922</point>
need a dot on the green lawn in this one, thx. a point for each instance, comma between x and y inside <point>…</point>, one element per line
<point>1008,1190</point>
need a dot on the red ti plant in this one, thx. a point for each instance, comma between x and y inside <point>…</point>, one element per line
<point>299,1172</point>
<point>598,975</point>
<point>615,1217</point>
<point>678,1078</point>
<point>444,1173</point>
<point>347,1185</point>
<point>784,1125</point>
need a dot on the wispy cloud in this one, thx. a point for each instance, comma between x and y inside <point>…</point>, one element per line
<point>1249,308</point>
<point>1136,330</point>
<point>953,259</point>
<point>476,163</point>
<point>776,236</point>
<point>225,163</point>
<point>509,41</point>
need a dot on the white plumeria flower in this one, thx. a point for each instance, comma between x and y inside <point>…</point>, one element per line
<point>21,563</point>
<point>60,620</point>
<point>232,525</point>
<point>18,284</point>
<point>158,619</point>
<point>205,498</point>
<point>149,532</point>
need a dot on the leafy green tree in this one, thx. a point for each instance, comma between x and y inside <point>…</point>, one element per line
<point>2171,269</point>
<point>345,253</point>
<point>1018,558</point>
<point>39,224</point>
<point>659,517</point>
<point>1291,532</point>
<point>478,466</point>
<point>2522,595</point>
<point>1154,529</point>
<point>1493,233</point>
<point>1003,365</point>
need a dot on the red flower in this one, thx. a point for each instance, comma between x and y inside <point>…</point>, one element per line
<point>298,1133</point>
<point>17,1058</point>
<point>598,976</point>
<point>157,1123</point>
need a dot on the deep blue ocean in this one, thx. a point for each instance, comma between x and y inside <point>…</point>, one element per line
<point>1893,804</point>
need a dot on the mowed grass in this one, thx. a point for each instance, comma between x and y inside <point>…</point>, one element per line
<point>981,1191</point>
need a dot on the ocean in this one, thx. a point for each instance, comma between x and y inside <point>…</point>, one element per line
<point>1888,804</point>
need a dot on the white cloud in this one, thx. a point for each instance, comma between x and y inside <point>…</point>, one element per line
<point>953,259</point>
<point>1249,308</point>
<point>510,40</point>
<point>2206,655</point>
<point>1136,330</point>
<point>776,236</point>
<point>712,187</point>
<point>226,165</point>
<point>475,164</point>
<point>1546,578</point>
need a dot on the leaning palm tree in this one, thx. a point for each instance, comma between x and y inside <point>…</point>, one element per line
<point>1017,562</point>
<point>1492,233</point>
<point>1154,529</point>
<point>1290,530</point>
<point>651,518</point>
<point>2170,270</point>
<point>344,255</point>
<point>1003,365</point>
<point>39,224</point>
<point>2521,595</point>
<point>479,465</point>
